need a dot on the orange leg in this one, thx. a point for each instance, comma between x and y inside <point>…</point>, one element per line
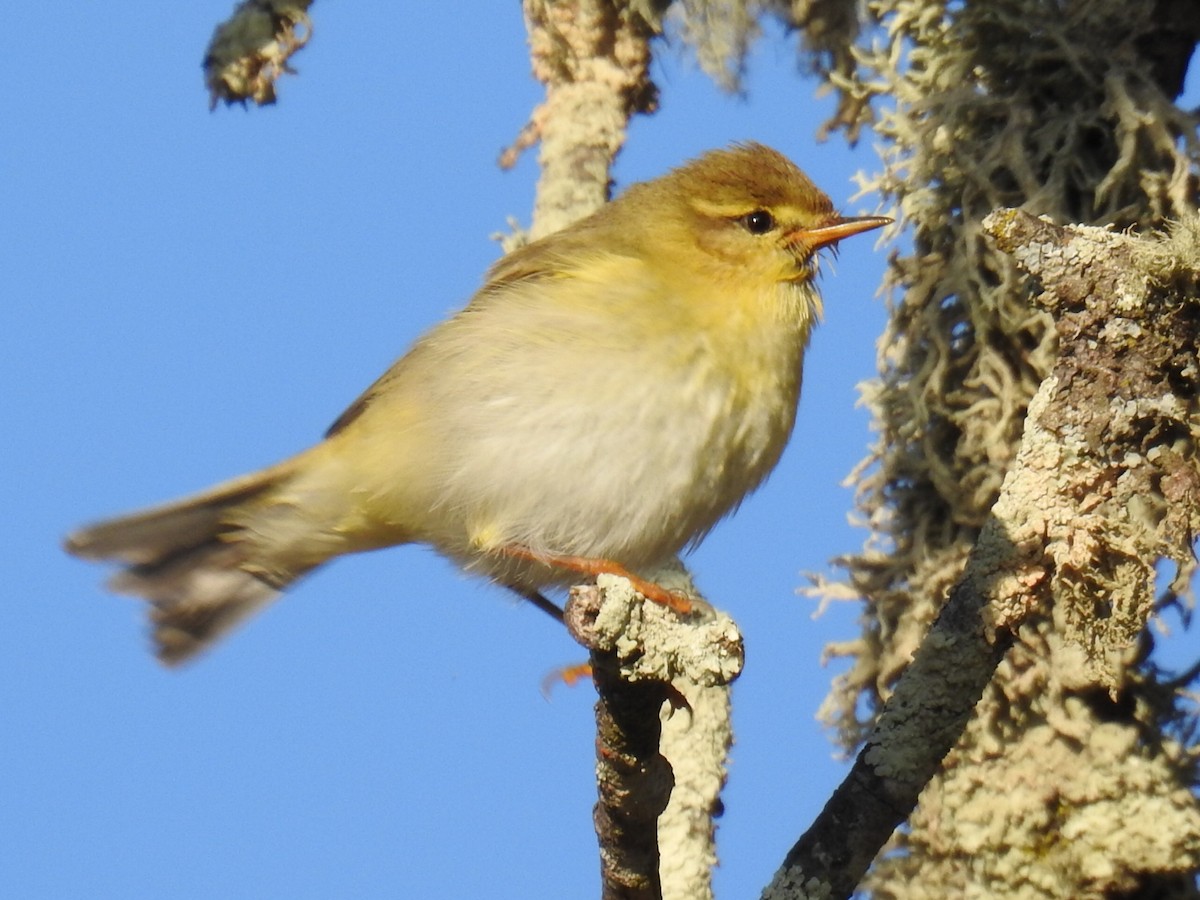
<point>568,675</point>
<point>587,565</point>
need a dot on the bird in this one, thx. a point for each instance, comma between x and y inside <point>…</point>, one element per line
<point>609,394</point>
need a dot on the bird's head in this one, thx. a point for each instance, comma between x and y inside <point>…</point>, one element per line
<point>746,213</point>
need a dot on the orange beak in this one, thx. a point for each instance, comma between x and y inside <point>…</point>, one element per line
<point>836,228</point>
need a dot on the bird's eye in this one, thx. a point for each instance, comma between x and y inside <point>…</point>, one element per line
<point>758,222</point>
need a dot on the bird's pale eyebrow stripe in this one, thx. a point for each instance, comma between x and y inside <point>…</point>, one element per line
<point>727,210</point>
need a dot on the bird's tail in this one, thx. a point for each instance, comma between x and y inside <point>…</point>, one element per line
<point>196,560</point>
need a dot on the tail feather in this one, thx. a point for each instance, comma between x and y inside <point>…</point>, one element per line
<point>196,597</point>
<point>190,561</point>
<point>152,535</point>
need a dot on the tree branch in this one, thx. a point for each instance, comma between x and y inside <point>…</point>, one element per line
<point>1107,479</point>
<point>639,651</point>
<point>593,56</point>
<point>251,49</point>
<point>917,728</point>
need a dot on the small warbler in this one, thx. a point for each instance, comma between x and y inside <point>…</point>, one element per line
<point>606,397</point>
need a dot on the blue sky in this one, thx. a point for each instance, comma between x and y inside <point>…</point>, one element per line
<point>189,295</point>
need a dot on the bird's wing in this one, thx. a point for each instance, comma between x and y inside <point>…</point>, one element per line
<point>556,257</point>
<point>529,263</point>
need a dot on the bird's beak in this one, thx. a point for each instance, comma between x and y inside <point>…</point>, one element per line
<point>835,229</point>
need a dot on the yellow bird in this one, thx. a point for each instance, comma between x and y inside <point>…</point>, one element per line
<point>607,396</point>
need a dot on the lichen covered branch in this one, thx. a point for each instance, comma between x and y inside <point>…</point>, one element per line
<point>1109,477</point>
<point>917,728</point>
<point>1106,481</point>
<point>251,49</point>
<point>593,56</point>
<point>1065,110</point>
<point>646,661</point>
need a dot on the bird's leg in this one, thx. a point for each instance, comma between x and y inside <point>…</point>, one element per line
<point>538,599</point>
<point>587,565</point>
<point>568,675</point>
